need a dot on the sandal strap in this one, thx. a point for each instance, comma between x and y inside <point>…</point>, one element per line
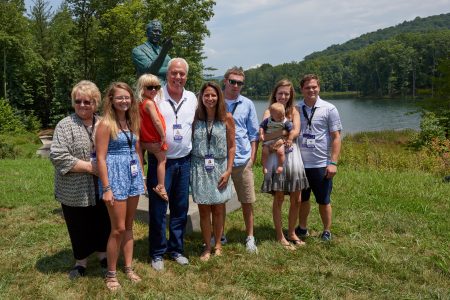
<point>111,281</point>
<point>131,274</point>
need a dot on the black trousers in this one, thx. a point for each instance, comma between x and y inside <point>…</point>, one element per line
<point>88,227</point>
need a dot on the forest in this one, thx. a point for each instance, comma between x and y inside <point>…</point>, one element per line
<point>399,61</point>
<point>46,51</point>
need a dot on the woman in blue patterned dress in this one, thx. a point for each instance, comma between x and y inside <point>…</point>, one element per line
<point>119,162</point>
<point>213,150</point>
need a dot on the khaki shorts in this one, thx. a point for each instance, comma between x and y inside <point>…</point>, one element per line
<point>243,183</point>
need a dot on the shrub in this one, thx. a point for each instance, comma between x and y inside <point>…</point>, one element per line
<point>31,123</point>
<point>9,122</point>
<point>8,151</point>
<point>430,128</point>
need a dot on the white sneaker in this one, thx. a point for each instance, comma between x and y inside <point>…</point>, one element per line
<point>250,245</point>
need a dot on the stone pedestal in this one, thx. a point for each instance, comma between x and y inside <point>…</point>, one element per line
<point>193,222</point>
<point>44,151</point>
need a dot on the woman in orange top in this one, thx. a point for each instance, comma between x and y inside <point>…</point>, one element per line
<point>153,127</point>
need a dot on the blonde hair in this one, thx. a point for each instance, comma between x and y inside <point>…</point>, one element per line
<point>143,81</point>
<point>86,88</point>
<point>109,114</point>
<point>278,108</point>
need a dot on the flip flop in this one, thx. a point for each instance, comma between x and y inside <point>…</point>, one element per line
<point>288,246</point>
<point>161,193</point>
<point>205,256</point>
<point>297,243</point>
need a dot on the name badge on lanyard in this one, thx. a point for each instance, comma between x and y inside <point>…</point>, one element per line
<point>133,163</point>
<point>209,162</point>
<point>177,133</point>
<point>209,158</point>
<point>289,149</point>
<point>177,128</point>
<point>308,140</point>
<point>134,168</point>
<point>93,156</point>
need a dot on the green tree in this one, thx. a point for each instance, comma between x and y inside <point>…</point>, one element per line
<point>120,30</point>
<point>185,21</point>
<point>66,68</point>
<point>87,25</point>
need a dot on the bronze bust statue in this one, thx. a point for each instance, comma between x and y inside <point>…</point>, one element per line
<point>150,57</point>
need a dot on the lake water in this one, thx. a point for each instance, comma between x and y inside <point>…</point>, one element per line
<point>369,114</point>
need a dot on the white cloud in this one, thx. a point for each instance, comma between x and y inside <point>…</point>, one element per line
<point>254,67</point>
<point>237,7</point>
<point>259,31</point>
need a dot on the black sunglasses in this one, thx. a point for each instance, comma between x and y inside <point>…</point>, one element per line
<point>85,102</point>
<point>153,87</point>
<point>233,82</point>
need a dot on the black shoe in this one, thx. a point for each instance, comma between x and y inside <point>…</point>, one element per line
<point>77,271</point>
<point>301,233</point>
<point>325,236</point>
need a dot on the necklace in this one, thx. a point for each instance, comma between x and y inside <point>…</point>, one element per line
<point>123,124</point>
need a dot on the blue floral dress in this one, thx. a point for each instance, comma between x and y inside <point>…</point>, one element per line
<point>204,183</point>
<point>118,163</point>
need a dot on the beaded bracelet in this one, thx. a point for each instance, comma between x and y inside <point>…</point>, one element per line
<point>106,188</point>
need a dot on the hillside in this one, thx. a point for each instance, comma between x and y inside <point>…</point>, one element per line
<point>441,21</point>
<point>399,61</point>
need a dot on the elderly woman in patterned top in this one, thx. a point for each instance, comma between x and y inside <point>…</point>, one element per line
<point>73,156</point>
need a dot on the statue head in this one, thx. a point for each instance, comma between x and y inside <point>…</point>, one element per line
<point>154,31</point>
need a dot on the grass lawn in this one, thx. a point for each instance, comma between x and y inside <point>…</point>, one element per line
<point>390,241</point>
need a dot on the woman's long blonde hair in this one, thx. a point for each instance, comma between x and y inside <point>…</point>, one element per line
<point>109,114</point>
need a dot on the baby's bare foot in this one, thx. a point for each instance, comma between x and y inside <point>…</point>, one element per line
<point>279,169</point>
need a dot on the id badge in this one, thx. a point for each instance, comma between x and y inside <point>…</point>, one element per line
<point>177,136</point>
<point>309,140</point>
<point>133,168</point>
<point>209,162</point>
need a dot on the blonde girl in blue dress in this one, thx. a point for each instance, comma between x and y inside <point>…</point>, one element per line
<point>119,162</point>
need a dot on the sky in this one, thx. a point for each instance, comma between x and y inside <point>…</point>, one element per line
<point>248,33</point>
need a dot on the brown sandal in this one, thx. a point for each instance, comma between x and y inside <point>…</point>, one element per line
<point>218,252</point>
<point>132,275</point>
<point>111,281</point>
<point>161,191</point>
<point>206,255</point>
<point>288,246</point>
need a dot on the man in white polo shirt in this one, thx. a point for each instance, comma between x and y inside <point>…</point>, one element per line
<point>320,145</point>
<point>178,108</point>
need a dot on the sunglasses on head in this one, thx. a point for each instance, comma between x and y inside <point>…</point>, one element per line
<point>233,82</point>
<point>85,102</point>
<point>152,87</point>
